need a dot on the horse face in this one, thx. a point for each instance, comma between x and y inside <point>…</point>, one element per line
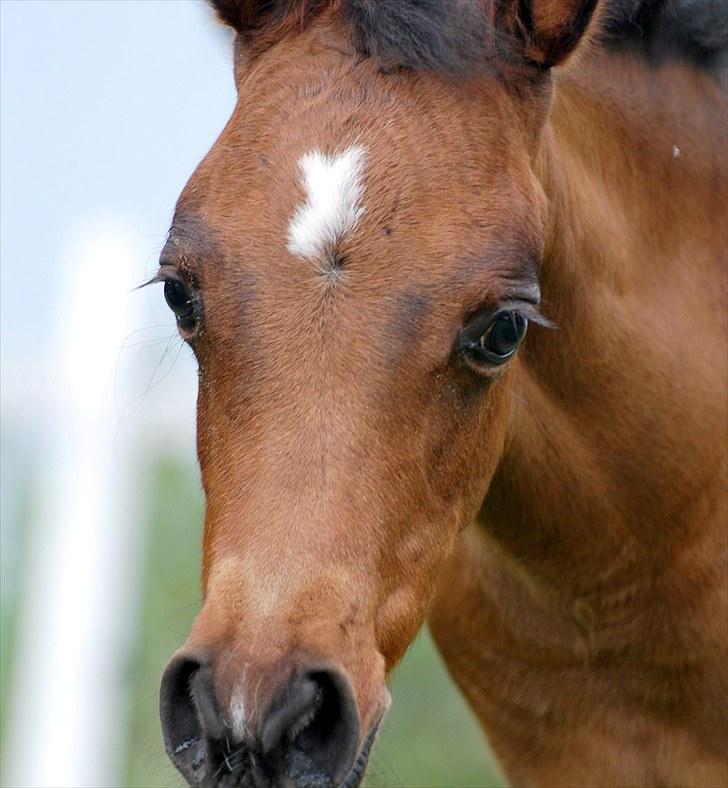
<point>354,264</point>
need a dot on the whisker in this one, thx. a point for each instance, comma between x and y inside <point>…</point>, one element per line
<point>145,343</point>
<point>133,406</point>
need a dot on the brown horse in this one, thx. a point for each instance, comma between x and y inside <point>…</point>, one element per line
<point>404,187</point>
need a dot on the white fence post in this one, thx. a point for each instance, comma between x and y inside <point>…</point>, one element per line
<point>67,720</point>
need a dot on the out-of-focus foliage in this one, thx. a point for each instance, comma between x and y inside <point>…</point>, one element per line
<point>169,602</point>
<point>18,472</point>
<point>428,739</point>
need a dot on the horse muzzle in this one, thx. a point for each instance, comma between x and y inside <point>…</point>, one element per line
<point>308,734</point>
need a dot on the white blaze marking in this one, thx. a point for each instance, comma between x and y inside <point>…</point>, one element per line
<point>237,717</point>
<point>333,189</point>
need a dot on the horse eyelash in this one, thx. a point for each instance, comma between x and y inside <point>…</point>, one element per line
<point>535,315</point>
<point>532,312</point>
<point>160,276</point>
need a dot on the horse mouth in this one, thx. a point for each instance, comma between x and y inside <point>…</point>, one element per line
<point>243,772</point>
<point>356,775</point>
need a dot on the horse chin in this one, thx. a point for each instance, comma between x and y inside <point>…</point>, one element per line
<point>300,773</point>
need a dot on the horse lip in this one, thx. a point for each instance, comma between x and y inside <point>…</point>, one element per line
<point>356,775</point>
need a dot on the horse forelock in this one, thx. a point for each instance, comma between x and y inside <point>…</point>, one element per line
<point>449,37</point>
<point>463,37</point>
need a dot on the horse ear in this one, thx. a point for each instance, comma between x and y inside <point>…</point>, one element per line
<point>248,15</point>
<point>551,29</point>
<point>239,14</point>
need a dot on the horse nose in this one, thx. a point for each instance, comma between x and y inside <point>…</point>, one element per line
<point>307,735</point>
<point>189,716</point>
<point>312,725</point>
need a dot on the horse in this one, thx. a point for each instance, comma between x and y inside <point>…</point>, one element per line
<point>454,274</point>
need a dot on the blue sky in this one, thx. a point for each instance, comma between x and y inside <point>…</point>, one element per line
<point>106,109</point>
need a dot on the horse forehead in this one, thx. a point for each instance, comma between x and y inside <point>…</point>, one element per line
<point>356,177</point>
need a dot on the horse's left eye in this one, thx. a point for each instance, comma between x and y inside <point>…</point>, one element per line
<point>500,339</point>
<point>179,300</point>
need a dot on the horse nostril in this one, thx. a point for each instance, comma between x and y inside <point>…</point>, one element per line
<point>314,726</point>
<point>308,736</point>
<point>189,717</point>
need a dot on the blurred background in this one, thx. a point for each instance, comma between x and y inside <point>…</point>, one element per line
<point>107,106</point>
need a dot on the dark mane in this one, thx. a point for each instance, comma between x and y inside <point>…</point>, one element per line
<point>450,37</point>
<point>693,30</point>
<point>425,35</point>
<point>461,37</point>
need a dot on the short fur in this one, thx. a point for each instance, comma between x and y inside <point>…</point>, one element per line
<point>559,517</point>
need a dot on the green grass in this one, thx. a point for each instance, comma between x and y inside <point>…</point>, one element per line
<point>428,739</point>
<point>13,549</point>
<point>170,601</point>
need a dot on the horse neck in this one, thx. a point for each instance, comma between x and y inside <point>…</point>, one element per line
<point>615,465</point>
<point>592,586</point>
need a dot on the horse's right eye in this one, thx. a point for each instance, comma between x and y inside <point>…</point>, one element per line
<point>179,299</point>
